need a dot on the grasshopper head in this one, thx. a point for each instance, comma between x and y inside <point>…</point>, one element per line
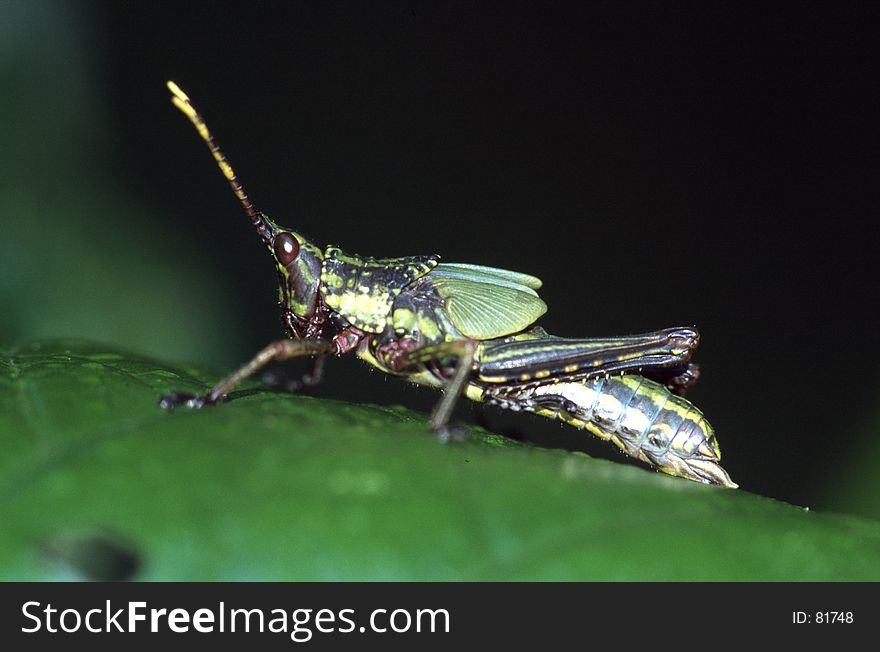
<point>297,260</point>
<point>298,263</point>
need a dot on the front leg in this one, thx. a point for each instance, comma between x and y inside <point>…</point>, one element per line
<point>279,350</point>
<point>463,351</point>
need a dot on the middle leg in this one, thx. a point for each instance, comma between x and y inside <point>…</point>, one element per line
<point>462,351</point>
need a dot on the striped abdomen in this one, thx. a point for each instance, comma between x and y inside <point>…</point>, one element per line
<point>640,416</point>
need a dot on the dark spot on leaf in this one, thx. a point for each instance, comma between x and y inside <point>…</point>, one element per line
<point>94,556</point>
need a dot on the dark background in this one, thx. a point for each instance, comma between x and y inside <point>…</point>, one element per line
<point>655,164</point>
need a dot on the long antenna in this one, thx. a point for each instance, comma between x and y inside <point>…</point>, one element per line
<point>181,101</point>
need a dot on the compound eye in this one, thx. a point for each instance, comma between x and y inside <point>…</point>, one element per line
<point>286,248</point>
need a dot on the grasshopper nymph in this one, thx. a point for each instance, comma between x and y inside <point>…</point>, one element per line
<point>470,330</point>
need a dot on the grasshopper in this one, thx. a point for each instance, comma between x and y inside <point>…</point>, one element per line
<point>470,329</point>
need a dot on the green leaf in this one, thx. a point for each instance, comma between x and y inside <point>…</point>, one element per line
<point>853,480</point>
<point>97,481</point>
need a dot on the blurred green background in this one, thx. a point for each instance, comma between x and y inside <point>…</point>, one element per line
<point>81,254</point>
<point>656,167</point>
